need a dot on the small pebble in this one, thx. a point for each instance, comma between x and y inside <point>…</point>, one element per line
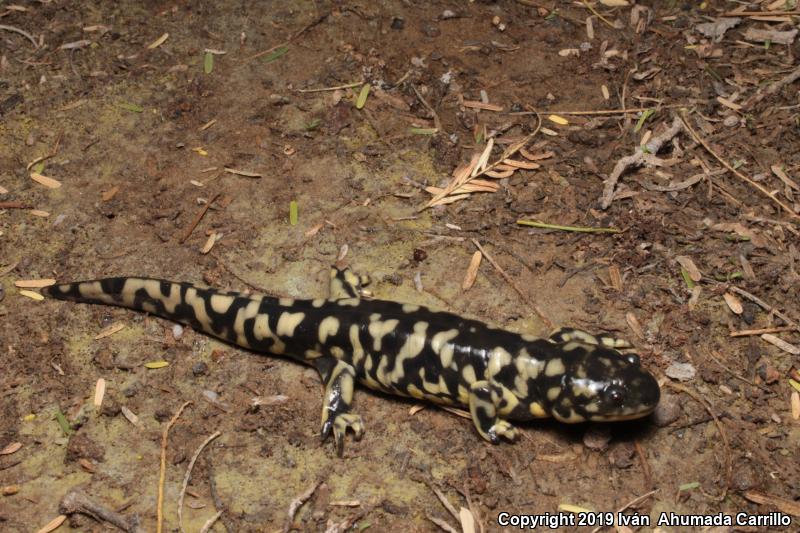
<point>398,23</point>
<point>667,411</point>
<point>681,371</point>
<point>731,121</point>
<point>448,14</point>
<point>597,437</point>
<point>200,368</point>
<point>177,331</point>
<point>431,30</point>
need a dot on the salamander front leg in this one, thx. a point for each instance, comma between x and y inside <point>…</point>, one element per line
<point>484,414</point>
<point>347,284</point>
<point>339,380</point>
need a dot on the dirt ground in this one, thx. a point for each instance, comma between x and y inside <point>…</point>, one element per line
<point>140,110</point>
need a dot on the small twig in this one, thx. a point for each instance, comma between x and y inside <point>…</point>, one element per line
<point>163,471</point>
<point>734,374</point>
<point>722,434</point>
<point>637,159</point>
<point>445,502</point>
<point>738,174</point>
<point>513,284</point>
<point>188,476</point>
<point>76,501</point>
<point>601,111</point>
<point>729,14</point>
<point>190,228</point>
<point>210,522</point>
<point>218,505</point>
<point>751,332</point>
<point>443,525</point>
<point>13,204</point>
<point>764,305</point>
<point>297,503</point>
<point>648,476</point>
<point>21,32</point>
<point>577,229</point>
<point>598,15</point>
<point>631,503</point>
<point>436,122</point>
<point>322,89</point>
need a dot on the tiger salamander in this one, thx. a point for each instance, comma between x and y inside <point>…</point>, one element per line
<point>404,349</point>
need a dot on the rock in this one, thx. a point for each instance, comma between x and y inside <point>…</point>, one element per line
<point>667,411</point>
<point>597,437</point>
<point>681,371</point>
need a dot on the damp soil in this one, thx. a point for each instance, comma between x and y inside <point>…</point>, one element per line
<point>139,132</point>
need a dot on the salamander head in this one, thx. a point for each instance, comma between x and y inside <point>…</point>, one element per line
<point>598,383</point>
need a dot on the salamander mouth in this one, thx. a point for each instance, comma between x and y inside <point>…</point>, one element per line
<point>622,416</point>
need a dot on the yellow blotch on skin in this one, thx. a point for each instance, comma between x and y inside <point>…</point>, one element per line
<point>287,323</point>
<point>220,303</point>
<point>328,328</point>
<point>555,367</point>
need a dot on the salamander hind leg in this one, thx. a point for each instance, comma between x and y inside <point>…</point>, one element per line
<point>347,284</point>
<point>339,380</point>
<point>484,414</point>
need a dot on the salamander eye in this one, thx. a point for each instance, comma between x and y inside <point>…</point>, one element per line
<point>615,394</point>
<point>633,359</point>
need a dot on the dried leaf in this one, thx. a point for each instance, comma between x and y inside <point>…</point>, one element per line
<point>782,504</point>
<point>472,271</point>
<point>416,409</point>
<point>99,392</point>
<point>108,195</point>
<point>688,264</point>
<point>527,165</point>
<point>778,171</point>
<point>132,418</point>
<point>535,157</point>
<point>362,96</point>
<point>34,283</point>
<point>53,524</point>
<point>483,159</point>
<point>109,330</point>
<point>10,448</point>
<point>556,119</point>
<point>780,343</point>
<point>32,295</point>
<point>734,303</point>
<point>795,405</point>
<point>633,323</point>
<point>158,42</point>
<point>212,239</point>
<point>499,174</point>
<point>615,277</point>
<point>474,104</point>
<point>50,183</point>
<point>244,173</point>
<point>467,520</point>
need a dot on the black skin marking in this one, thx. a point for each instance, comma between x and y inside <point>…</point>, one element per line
<point>406,350</point>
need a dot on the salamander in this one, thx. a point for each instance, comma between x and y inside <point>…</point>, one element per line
<point>404,349</point>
